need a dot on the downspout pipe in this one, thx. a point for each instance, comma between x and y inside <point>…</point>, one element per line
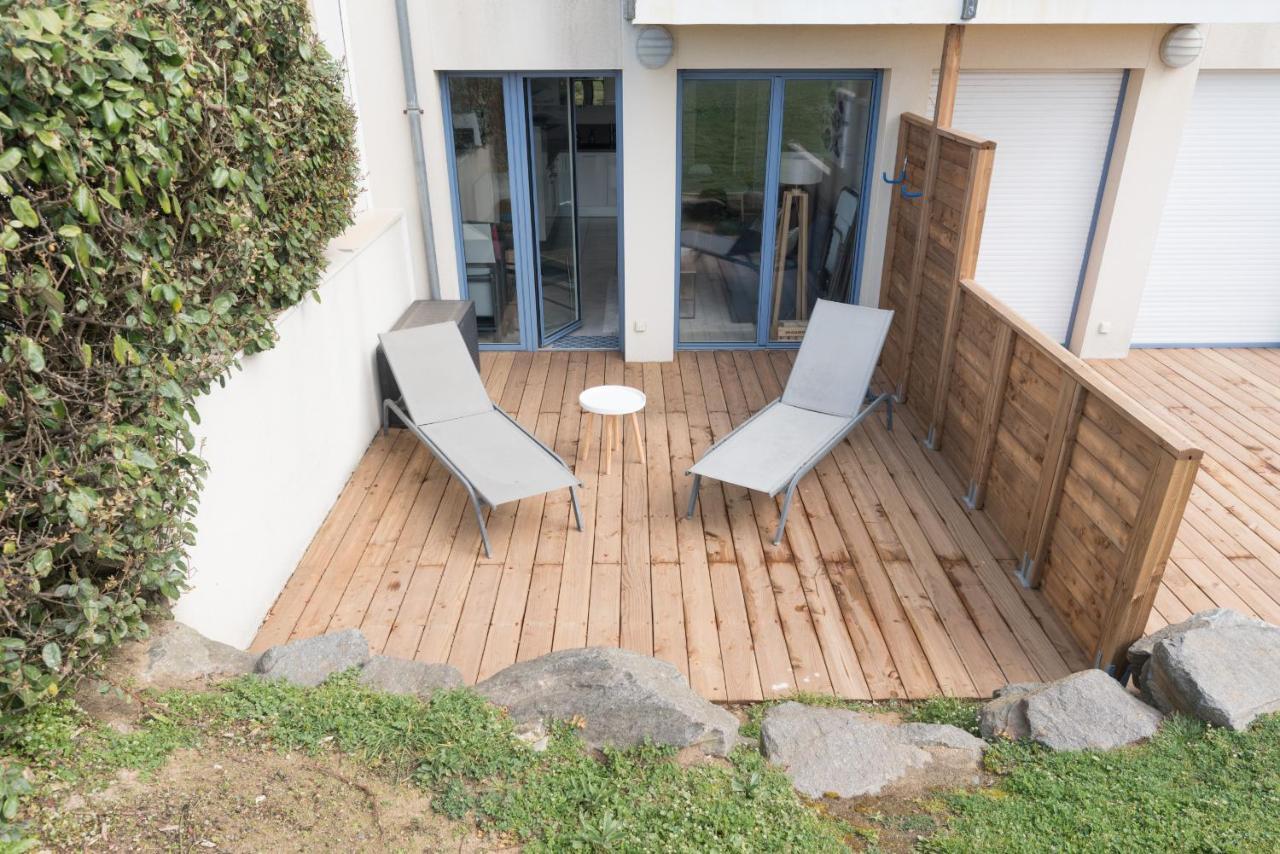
<point>414,111</point>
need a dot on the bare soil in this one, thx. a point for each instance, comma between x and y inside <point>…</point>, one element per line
<point>245,799</point>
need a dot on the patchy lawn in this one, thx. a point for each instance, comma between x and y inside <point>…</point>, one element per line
<point>255,765</point>
<point>458,751</point>
<point>1191,788</point>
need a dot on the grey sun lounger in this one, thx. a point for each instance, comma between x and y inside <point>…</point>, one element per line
<point>826,396</point>
<point>445,404</point>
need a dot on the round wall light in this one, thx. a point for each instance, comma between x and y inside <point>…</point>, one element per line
<point>1181,46</point>
<point>654,46</point>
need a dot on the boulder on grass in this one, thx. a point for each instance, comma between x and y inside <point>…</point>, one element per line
<point>1227,675</point>
<point>1005,716</point>
<point>1086,710</point>
<point>1140,653</point>
<point>621,698</point>
<point>400,676</point>
<point>174,655</point>
<point>834,752</point>
<point>310,661</point>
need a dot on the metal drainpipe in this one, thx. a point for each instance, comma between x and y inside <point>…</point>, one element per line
<point>414,112</point>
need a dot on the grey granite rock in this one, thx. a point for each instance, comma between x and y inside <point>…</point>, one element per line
<point>1017,688</point>
<point>1140,652</point>
<point>941,735</point>
<point>1005,716</point>
<point>1088,710</point>
<point>400,676</point>
<point>310,661</point>
<point>177,655</point>
<point>622,698</point>
<point>1084,710</point>
<point>834,752</point>
<point>1227,674</point>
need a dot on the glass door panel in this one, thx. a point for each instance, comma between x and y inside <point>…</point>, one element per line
<point>822,160</point>
<point>483,190</point>
<point>552,159</point>
<point>595,177</point>
<point>723,158</point>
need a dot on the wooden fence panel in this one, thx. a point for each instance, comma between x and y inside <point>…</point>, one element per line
<point>964,411</point>
<point>1076,477</point>
<point>956,175</point>
<point>914,141</point>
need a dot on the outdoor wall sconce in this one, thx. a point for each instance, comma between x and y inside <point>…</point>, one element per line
<point>654,47</point>
<point>1181,45</point>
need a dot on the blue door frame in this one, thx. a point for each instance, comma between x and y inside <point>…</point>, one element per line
<point>519,189</point>
<point>773,149</point>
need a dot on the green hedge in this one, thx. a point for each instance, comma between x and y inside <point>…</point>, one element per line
<point>170,173</point>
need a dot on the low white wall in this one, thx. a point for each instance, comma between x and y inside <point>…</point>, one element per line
<point>285,432</point>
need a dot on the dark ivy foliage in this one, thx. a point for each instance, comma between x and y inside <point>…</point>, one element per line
<point>170,173</point>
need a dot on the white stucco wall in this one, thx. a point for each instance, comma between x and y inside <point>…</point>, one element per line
<point>586,35</point>
<point>866,12</point>
<point>286,431</point>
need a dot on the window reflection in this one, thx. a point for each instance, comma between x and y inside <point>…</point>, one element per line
<point>821,167</point>
<point>724,135</point>
<point>483,190</point>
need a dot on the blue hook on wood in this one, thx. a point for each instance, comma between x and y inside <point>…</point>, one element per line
<point>901,182</point>
<point>902,177</point>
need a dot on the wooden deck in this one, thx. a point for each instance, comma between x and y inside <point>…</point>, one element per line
<point>883,586</point>
<point>1228,401</point>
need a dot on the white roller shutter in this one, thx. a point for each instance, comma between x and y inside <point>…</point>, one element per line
<point>1052,132</point>
<point>1215,272</point>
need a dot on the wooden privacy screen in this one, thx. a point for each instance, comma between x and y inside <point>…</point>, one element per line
<point>932,243</point>
<point>1075,475</point>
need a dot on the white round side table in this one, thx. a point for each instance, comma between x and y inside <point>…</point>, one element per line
<point>612,402</point>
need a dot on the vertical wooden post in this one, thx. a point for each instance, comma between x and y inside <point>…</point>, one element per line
<point>948,76</point>
<point>894,372</point>
<point>916,282</point>
<point>992,407</point>
<point>966,263</point>
<point>1053,471</point>
<point>1150,541</point>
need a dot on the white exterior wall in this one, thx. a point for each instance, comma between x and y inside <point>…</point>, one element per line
<point>586,35</point>
<point>285,432</point>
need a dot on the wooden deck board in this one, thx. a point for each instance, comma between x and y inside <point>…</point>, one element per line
<point>1226,400</point>
<point>883,587</point>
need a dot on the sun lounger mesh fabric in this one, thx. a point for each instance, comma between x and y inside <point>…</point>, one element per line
<point>435,373</point>
<point>502,463</point>
<point>824,394</point>
<point>767,452</point>
<point>837,358</point>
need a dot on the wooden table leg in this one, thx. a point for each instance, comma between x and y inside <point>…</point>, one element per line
<point>635,425</point>
<point>586,444</point>
<point>608,444</point>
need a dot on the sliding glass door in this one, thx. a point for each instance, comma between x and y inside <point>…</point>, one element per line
<point>536,188</point>
<point>482,193</point>
<point>724,138</point>
<point>773,175</point>
<point>555,220</point>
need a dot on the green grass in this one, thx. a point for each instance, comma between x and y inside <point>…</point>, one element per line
<point>1191,788</point>
<point>463,751</point>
